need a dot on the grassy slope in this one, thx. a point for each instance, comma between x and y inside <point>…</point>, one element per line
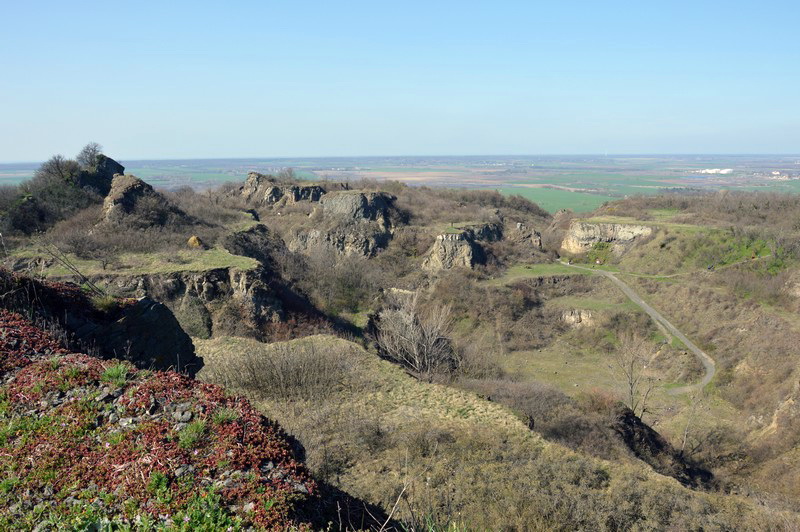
<point>458,458</point>
<point>188,260</point>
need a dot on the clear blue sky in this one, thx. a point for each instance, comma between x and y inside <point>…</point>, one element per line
<point>206,79</point>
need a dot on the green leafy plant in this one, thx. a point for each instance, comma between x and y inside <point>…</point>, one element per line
<point>116,374</point>
<point>191,434</point>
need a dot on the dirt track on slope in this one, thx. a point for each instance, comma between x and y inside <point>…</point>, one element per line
<point>708,363</point>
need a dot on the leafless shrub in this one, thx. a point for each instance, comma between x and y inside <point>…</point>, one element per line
<point>417,337</point>
<point>631,358</point>
<point>289,371</point>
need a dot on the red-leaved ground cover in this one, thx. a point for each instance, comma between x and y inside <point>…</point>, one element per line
<point>89,439</point>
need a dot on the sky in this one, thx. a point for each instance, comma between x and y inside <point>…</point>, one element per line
<point>153,80</point>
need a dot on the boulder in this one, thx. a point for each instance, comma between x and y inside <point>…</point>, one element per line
<point>194,242</point>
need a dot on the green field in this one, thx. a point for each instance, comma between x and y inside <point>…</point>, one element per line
<point>551,199</point>
<point>580,183</point>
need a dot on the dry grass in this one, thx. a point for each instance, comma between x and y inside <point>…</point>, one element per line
<point>453,459</point>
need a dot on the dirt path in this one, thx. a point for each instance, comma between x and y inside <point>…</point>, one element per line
<point>708,363</point>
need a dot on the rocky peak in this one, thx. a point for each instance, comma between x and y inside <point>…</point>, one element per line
<point>461,249</point>
<point>102,175</point>
<point>126,192</point>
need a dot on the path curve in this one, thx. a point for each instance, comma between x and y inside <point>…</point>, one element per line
<point>708,363</point>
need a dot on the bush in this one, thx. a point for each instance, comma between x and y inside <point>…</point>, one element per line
<point>290,371</point>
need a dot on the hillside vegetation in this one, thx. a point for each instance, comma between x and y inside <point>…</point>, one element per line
<point>442,358</point>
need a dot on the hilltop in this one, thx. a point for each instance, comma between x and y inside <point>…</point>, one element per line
<point>445,354</point>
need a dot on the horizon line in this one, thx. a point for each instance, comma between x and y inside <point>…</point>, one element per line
<point>311,157</point>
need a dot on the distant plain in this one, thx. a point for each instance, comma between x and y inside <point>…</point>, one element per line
<point>580,183</point>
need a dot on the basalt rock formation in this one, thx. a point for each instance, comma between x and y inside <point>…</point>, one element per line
<point>100,177</point>
<point>141,331</point>
<point>127,192</point>
<point>578,318</point>
<point>263,189</point>
<point>222,300</point>
<point>352,223</point>
<point>461,249</point>
<point>453,250</point>
<point>582,236</point>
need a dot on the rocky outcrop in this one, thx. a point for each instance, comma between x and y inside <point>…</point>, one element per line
<point>127,192</point>
<point>146,333</point>
<point>457,250</point>
<point>649,446</point>
<point>358,207</point>
<point>578,318</point>
<point>461,250</point>
<point>223,300</point>
<point>265,190</point>
<point>523,234</point>
<point>364,241</point>
<point>352,223</point>
<point>258,243</point>
<point>101,176</point>
<point>143,332</point>
<point>582,236</point>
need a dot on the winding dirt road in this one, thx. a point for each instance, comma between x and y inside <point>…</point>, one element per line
<point>708,363</point>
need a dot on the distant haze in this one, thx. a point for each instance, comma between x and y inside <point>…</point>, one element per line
<point>286,79</point>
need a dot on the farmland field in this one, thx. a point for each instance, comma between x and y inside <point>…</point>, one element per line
<point>580,183</point>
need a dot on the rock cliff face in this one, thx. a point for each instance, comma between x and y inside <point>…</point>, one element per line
<point>264,190</point>
<point>521,233</point>
<point>143,332</point>
<point>358,207</point>
<point>352,223</point>
<point>578,318</point>
<point>581,236</point>
<point>461,250</point>
<point>223,300</point>
<point>452,251</point>
<point>146,333</point>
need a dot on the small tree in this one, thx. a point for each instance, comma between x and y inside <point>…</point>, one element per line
<point>57,169</point>
<point>417,337</point>
<point>87,157</point>
<point>631,360</point>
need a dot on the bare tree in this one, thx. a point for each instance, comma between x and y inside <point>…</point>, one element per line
<point>631,359</point>
<point>417,337</point>
<point>696,400</point>
<point>57,168</point>
<point>87,157</point>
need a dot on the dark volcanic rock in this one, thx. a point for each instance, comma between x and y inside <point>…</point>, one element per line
<point>650,447</point>
<point>146,334</point>
<point>102,175</point>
